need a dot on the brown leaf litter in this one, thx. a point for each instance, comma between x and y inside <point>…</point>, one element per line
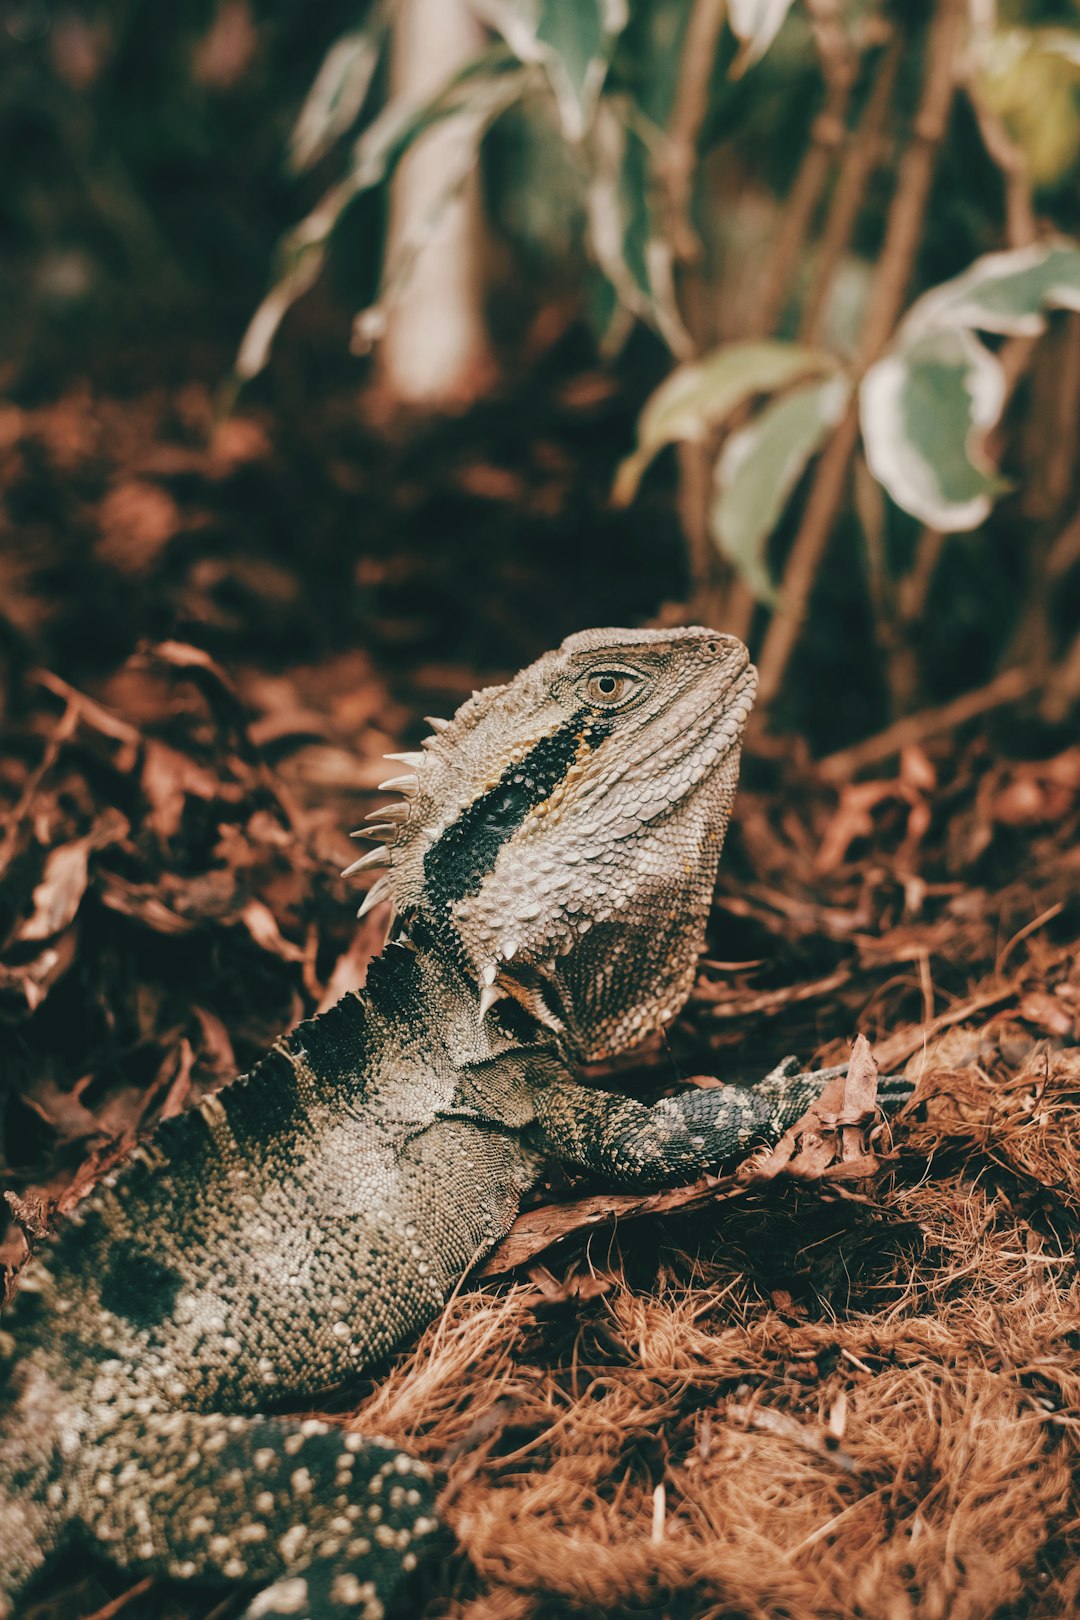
<point>841,1381</point>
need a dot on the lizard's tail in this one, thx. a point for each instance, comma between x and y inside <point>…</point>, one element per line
<point>323,1522</point>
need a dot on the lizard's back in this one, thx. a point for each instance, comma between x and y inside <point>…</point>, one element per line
<point>258,1252</point>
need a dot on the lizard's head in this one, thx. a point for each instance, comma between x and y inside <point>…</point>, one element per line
<point>560,835</point>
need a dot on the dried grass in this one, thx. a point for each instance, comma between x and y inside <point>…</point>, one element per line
<point>696,1440</point>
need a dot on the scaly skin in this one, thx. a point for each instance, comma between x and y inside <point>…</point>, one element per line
<point>552,871</point>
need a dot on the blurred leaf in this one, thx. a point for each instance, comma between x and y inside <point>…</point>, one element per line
<point>459,158</point>
<point>629,247</point>
<point>925,410</point>
<point>302,251</point>
<point>928,404</point>
<point>1029,77</point>
<point>755,24</point>
<point>1002,292</point>
<point>573,39</point>
<point>337,96</point>
<point>759,468</point>
<point>700,395</point>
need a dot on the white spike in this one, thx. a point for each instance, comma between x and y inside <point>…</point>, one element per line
<point>390,812</point>
<point>412,760</point>
<point>400,784</point>
<point>385,829</point>
<point>488,997</point>
<point>509,949</point>
<point>435,723</point>
<point>378,892</point>
<point>488,973</point>
<point>374,857</point>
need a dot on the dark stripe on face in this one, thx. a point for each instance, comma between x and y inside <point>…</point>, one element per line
<point>466,853</point>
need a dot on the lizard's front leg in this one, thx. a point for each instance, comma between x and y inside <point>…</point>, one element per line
<point>678,1138</point>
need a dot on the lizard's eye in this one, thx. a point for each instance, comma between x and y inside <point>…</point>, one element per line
<point>610,687</point>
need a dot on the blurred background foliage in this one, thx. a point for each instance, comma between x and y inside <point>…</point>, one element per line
<point>772,223</point>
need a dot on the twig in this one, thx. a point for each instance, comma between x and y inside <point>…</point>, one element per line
<point>695,490</point>
<point>1063,686</point>
<point>687,118</point>
<point>1020,226</point>
<point>861,158</point>
<point>768,1001</point>
<point>676,171</point>
<point>1005,688</point>
<point>839,67</point>
<point>906,1042</point>
<point>902,236</point>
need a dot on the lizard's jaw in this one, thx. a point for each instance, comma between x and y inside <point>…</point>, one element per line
<point>563,849</point>
<point>594,920</point>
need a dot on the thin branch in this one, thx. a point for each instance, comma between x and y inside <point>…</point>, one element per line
<point>1008,687</point>
<point>839,67</point>
<point>864,152</point>
<point>687,119</point>
<point>1020,224</point>
<point>676,171</point>
<point>902,236</point>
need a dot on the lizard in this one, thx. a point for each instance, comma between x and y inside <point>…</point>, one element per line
<point>551,864</point>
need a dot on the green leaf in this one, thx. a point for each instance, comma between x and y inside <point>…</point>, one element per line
<point>1002,292</point>
<point>477,92</point>
<point>925,411</point>
<point>927,406</point>
<point>628,245</point>
<point>1029,78</point>
<point>458,160</point>
<point>337,97</point>
<point>402,122</point>
<point>698,396</point>
<point>755,24</point>
<point>759,468</point>
<point>574,39</point>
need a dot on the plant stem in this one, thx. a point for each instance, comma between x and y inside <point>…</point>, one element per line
<point>677,173</point>
<point>861,158</point>
<point>839,66</point>
<point>902,236</point>
<point>687,117</point>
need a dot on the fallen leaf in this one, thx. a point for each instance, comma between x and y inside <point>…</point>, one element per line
<point>57,898</point>
<point>1045,1012</point>
<point>261,924</point>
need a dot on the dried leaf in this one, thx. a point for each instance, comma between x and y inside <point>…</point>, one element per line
<point>261,924</point>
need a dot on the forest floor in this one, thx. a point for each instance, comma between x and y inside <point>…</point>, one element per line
<point>854,1391</point>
